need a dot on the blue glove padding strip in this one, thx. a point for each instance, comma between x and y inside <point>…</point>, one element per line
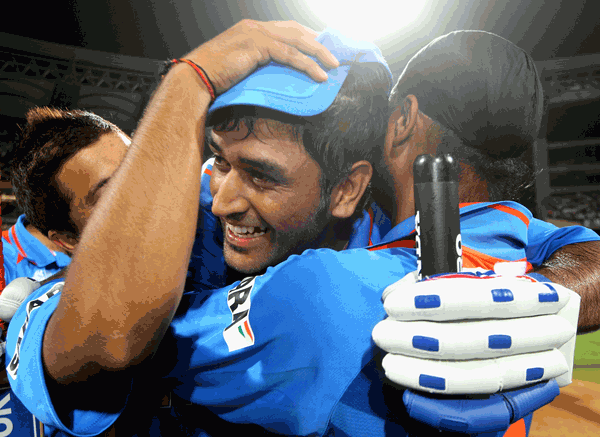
<point>538,277</point>
<point>487,414</point>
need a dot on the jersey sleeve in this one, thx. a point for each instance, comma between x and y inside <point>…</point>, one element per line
<point>545,238</point>
<point>280,349</point>
<point>25,369</point>
<point>493,232</point>
<point>10,256</point>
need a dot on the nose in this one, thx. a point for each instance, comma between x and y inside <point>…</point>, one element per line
<point>228,195</point>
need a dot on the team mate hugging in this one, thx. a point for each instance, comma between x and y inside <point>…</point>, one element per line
<point>289,350</point>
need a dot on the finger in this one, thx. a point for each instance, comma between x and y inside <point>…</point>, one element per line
<point>485,414</point>
<point>469,340</point>
<point>287,55</point>
<point>303,39</point>
<point>474,298</point>
<point>474,377</point>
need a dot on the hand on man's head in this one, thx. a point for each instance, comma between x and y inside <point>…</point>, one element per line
<point>237,52</point>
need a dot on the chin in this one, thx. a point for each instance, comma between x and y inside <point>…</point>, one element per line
<point>252,268</point>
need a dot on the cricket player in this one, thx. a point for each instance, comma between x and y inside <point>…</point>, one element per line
<point>293,375</point>
<point>47,180</point>
<point>62,162</point>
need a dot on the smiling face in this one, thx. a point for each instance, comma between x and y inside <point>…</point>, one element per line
<point>266,192</point>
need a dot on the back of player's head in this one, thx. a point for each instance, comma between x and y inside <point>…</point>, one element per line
<point>340,121</point>
<point>485,92</point>
<point>479,85</point>
<point>49,139</point>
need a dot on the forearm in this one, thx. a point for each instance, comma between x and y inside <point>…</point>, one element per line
<point>127,276</point>
<point>577,266</point>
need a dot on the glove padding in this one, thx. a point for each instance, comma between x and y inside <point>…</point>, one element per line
<point>14,294</point>
<point>499,332</point>
<point>494,413</point>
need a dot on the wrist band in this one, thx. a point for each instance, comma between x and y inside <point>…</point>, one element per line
<point>203,76</point>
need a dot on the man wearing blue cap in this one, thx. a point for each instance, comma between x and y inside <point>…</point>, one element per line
<point>106,333</point>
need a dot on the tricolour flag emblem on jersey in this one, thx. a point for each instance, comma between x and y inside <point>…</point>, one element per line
<point>239,334</point>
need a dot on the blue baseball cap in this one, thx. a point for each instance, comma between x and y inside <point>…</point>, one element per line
<point>284,89</point>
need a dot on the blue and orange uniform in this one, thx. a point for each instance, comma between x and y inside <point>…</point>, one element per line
<point>26,256</point>
<point>289,350</point>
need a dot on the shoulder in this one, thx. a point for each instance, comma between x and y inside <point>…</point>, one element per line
<point>355,269</point>
<point>503,210</point>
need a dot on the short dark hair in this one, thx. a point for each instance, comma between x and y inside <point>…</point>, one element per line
<point>484,94</point>
<point>49,139</point>
<point>352,129</point>
<point>509,178</point>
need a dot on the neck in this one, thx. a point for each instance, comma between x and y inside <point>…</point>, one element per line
<point>335,236</point>
<point>45,240</point>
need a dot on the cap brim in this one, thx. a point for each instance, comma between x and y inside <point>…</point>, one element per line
<point>284,89</point>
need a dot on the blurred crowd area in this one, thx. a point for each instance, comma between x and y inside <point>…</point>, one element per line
<point>10,210</point>
<point>582,208</point>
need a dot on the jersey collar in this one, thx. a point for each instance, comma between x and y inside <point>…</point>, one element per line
<point>31,248</point>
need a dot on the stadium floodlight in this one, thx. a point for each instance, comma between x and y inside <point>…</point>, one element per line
<point>369,20</point>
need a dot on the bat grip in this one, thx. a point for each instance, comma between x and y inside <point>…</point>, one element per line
<point>437,216</point>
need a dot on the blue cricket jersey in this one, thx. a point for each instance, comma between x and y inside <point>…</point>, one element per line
<point>26,256</point>
<point>289,350</point>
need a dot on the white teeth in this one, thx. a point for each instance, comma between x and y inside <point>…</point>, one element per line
<point>243,230</point>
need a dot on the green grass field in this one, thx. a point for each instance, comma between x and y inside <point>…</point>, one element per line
<point>587,357</point>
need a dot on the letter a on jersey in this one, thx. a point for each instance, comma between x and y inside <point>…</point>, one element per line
<point>239,334</point>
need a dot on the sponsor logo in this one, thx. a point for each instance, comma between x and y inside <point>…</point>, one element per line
<point>4,420</point>
<point>32,305</point>
<point>239,334</point>
<point>418,245</point>
<point>458,248</point>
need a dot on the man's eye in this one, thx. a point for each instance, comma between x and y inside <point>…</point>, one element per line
<point>263,180</point>
<point>220,162</point>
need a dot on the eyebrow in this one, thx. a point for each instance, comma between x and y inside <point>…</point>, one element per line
<point>270,169</point>
<point>90,195</point>
<point>212,144</point>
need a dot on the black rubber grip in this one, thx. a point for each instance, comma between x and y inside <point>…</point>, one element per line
<point>437,216</point>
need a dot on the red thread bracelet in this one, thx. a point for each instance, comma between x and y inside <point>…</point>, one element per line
<point>201,73</point>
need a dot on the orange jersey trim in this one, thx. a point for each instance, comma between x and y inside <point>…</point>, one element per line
<point>22,254</point>
<point>517,429</point>
<point>409,244</point>
<point>511,211</point>
<point>503,208</point>
<point>370,226</point>
<point>473,259</point>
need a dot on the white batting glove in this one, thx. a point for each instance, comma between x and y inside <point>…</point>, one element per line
<point>477,333</point>
<point>14,294</point>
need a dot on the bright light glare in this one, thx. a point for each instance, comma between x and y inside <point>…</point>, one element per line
<point>367,19</point>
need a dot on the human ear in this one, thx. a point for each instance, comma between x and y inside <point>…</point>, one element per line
<point>66,240</point>
<point>348,193</point>
<point>402,122</point>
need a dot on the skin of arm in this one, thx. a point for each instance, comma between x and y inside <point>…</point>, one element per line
<point>127,275</point>
<point>576,267</point>
<point>126,279</point>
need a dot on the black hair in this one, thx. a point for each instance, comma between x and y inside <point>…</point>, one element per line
<point>485,96</point>
<point>509,178</point>
<point>49,139</point>
<point>352,129</point>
